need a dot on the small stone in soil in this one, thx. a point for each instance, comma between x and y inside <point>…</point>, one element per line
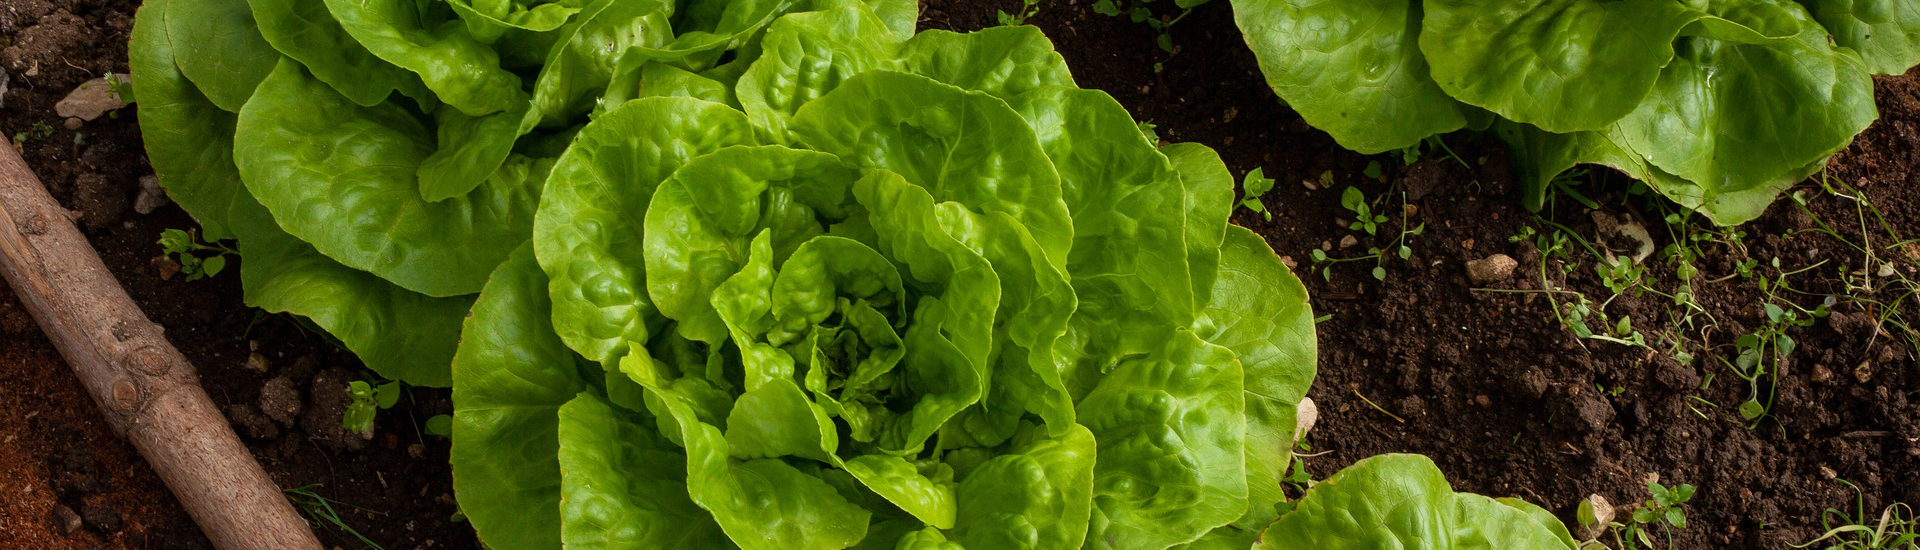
<point>64,516</point>
<point>151,197</point>
<point>257,363</point>
<point>1495,268</point>
<point>1348,241</point>
<point>165,267</point>
<point>92,98</point>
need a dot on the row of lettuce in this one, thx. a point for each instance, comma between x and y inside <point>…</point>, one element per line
<point>1719,105</point>
<point>770,275</point>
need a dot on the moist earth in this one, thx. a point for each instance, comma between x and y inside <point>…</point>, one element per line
<point>1467,365</point>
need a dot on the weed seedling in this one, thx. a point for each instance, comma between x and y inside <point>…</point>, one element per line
<point>1256,184</point>
<point>321,510</point>
<point>1896,528</point>
<point>187,250</point>
<point>1363,216</point>
<point>40,130</point>
<point>1137,11</point>
<point>1368,221</point>
<point>368,401</point>
<point>1664,511</point>
<point>1019,17</point>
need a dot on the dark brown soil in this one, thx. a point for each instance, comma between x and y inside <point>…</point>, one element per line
<point>55,451</point>
<point>1489,384</point>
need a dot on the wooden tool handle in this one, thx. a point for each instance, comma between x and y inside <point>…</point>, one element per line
<point>146,388</point>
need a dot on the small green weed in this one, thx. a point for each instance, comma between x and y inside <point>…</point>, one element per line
<point>1895,529</point>
<point>187,250</point>
<point>1665,511</point>
<point>368,401</point>
<point>1367,220</point>
<point>1256,184</point>
<point>321,510</point>
<point>1137,11</point>
<point>1028,8</point>
<point>40,130</point>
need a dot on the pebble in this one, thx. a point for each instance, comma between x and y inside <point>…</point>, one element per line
<point>1495,268</point>
<point>69,521</point>
<point>1864,372</point>
<point>257,363</point>
<point>1828,473</point>
<point>1305,415</point>
<point>1821,374</point>
<point>151,197</point>
<point>1348,241</point>
<point>92,98</point>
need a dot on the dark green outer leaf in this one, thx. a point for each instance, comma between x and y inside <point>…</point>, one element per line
<point>189,140</point>
<point>343,177</point>
<point>1562,65</point>
<point>400,334</point>
<point>1352,68</point>
<point>408,33</point>
<point>510,378</point>
<point>1885,32</point>
<point>1731,117</point>
<point>216,45</point>
<point>306,32</point>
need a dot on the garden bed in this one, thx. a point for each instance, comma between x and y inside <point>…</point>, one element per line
<point>1481,376</point>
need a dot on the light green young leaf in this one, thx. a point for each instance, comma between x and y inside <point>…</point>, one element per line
<point>805,55</point>
<point>961,146</point>
<point>762,504</point>
<point>487,20</point>
<point>1002,61</point>
<point>1353,69</point>
<point>624,487</point>
<point>1034,497</point>
<point>701,220</point>
<point>948,341</point>
<point>1148,494</point>
<point>928,499</point>
<point>589,231</point>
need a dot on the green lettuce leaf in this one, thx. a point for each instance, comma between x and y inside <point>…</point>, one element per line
<point>1353,69</point>
<point>343,177</point>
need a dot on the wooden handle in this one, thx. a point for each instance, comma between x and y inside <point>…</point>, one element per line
<point>149,393</point>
